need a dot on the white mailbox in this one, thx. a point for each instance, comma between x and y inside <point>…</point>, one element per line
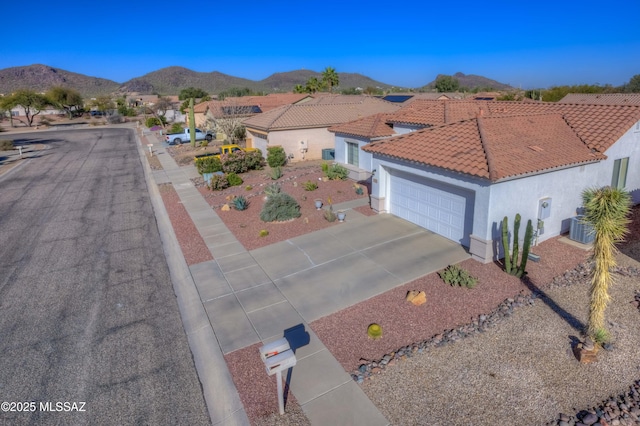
<point>280,362</point>
<point>278,357</point>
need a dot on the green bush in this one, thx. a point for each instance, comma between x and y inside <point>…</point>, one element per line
<point>276,173</point>
<point>264,232</point>
<point>6,145</point>
<point>218,182</point>
<point>310,186</point>
<point>234,162</point>
<point>254,160</point>
<point>336,172</point>
<point>240,203</point>
<point>176,128</point>
<point>234,179</point>
<point>280,207</point>
<point>276,156</point>
<point>272,189</point>
<point>208,164</point>
<point>456,276</point>
<point>154,121</point>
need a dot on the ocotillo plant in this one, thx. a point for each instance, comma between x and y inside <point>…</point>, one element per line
<point>192,123</point>
<point>511,260</point>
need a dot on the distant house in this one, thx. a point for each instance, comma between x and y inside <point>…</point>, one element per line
<point>458,167</point>
<point>302,129</point>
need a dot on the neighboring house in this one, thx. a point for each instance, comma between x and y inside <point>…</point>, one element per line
<point>235,109</point>
<point>472,163</point>
<point>302,129</point>
<point>602,98</point>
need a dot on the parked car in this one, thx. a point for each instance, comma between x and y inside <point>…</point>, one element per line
<point>185,136</point>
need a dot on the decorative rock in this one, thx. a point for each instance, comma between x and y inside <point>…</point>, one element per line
<point>225,208</point>
<point>589,419</point>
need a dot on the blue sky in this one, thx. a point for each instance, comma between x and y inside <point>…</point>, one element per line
<point>404,43</point>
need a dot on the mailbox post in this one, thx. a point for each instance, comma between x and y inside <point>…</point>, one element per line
<point>278,357</point>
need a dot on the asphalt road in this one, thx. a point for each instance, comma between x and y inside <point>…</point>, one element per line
<point>87,309</point>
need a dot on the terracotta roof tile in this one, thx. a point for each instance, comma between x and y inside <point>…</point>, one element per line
<point>307,115</point>
<point>602,98</point>
<point>493,148</point>
<point>371,127</point>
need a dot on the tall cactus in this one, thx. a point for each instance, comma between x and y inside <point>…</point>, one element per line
<point>192,123</point>
<point>511,260</point>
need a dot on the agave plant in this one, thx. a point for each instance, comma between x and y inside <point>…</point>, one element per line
<point>240,203</point>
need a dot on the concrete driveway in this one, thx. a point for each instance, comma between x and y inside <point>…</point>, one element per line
<point>328,270</point>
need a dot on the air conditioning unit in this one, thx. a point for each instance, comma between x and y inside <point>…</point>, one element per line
<point>580,232</point>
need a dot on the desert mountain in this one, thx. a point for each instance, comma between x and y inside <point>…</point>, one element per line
<point>473,81</point>
<point>42,77</point>
<point>171,80</point>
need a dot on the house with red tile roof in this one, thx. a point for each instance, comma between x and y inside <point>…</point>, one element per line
<point>601,98</point>
<point>302,129</point>
<point>458,168</point>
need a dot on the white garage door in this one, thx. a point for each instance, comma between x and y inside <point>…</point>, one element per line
<point>433,206</point>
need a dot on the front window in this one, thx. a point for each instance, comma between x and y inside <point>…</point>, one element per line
<point>619,179</point>
<point>352,153</point>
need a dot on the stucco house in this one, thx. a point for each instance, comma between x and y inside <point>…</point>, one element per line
<point>601,98</point>
<point>302,129</point>
<point>457,168</point>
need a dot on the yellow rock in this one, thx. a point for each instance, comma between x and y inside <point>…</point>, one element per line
<point>225,208</point>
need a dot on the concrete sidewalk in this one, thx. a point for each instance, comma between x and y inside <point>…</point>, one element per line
<point>251,297</point>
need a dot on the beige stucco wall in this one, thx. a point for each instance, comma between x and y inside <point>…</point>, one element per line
<point>316,140</point>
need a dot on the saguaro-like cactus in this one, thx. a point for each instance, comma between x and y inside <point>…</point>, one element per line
<point>192,123</point>
<point>511,260</point>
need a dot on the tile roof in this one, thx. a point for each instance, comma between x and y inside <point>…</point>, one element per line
<point>371,127</point>
<point>305,115</point>
<point>602,98</point>
<point>599,126</point>
<point>494,147</point>
<point>266,103</point>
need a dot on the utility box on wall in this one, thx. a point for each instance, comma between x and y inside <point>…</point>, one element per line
<point>544,208</point>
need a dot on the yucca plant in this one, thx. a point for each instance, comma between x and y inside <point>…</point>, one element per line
<point>606,210</point>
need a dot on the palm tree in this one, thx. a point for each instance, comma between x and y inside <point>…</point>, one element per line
<point>330,78</point>
<point>299,88</point>
<point>313,85</point>
<point>606,210</point>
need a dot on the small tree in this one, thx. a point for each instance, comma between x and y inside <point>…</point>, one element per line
<point>191,92</point>
<point>606,210</point>
<point>228,119</point>
<point>447,83</point>
<point>33,103</point>
<point>66,99</point>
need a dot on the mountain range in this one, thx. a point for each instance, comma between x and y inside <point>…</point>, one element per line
<point>171,80</point>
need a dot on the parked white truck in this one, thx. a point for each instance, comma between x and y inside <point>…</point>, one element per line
<point>178,138</point>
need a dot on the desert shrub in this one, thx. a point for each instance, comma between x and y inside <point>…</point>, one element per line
<point>234,162</point>
<point>208,164</point>
<point>218,182</point>
<point>176,128</point>
<point>276,156</point>
<point>280,207</point>
<point>248,187</point>
<point>240,203</point>
<point>456,276</point>
<point>254,160</point>
<point>329,215</point>
<point>272,189</point>
<point>358,189</point>
<point>264,232</point>
<point>310,186</point>
<point>325,168</point>
<point>234,179</point>
<point>154,121</point>
<point>336,172</point>
<point>204,143</point>
<point>276,173</point>
<point>44,121</point>
<point>6,145</point>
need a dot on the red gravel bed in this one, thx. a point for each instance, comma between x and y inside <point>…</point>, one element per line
<point>246,225</point>
<point>345,332</point>
<point>191,243</point>
<point>258,391</point>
